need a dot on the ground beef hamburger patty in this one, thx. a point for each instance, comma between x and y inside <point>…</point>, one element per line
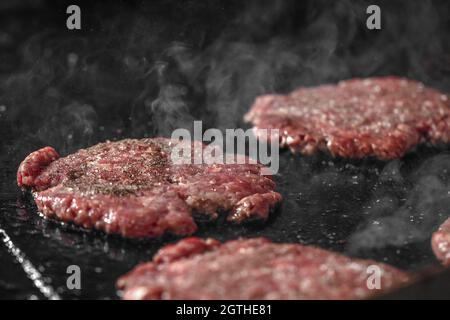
<point>382,117</point>
<point>132,187</point>
<point>440,243</point>
<point>254,268</point>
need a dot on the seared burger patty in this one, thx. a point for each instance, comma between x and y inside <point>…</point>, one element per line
<point>254,269</point>
<point>381,117</point>
<point>441,243</point>
<point>133,188</point>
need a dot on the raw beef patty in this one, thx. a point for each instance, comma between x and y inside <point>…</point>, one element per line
<point>255,269</point>
<point>132,187</point>
<point>381,117</point>
<point>441,243</point>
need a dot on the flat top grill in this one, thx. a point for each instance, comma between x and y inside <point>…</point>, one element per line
<point>330,203</point>
<point>144,68</point>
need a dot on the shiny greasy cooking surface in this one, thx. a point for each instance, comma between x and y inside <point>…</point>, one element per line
<point>229,53</point>
<point>368,209</point>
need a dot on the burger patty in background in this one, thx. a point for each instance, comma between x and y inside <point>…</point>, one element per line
<point>382,117</point>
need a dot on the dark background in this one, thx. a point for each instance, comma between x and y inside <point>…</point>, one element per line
<point>147,67</point>
<point>144,68</point>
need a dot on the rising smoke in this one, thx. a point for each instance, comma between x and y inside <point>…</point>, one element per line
<point>148,69</point>
<point>405,206</point>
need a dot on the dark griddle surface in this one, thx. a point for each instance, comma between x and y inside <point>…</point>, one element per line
<point>121,75</point>
<point>326,202</point>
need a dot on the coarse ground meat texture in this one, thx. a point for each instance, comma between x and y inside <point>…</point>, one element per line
<point>440,243</point>
<point>254,268</point>
<point>133,188</point>
<point>382,117</point>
